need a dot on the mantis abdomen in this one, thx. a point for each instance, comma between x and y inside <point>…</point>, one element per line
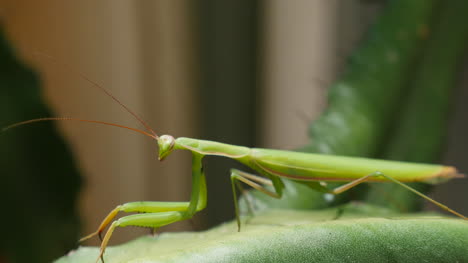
<point>320,167</point>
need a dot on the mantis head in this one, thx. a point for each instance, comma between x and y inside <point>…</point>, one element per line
<point>166,145</point>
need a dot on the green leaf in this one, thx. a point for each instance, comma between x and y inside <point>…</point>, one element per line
<point>362,233</point>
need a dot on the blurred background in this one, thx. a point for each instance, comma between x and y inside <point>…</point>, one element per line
<point>252,73</point>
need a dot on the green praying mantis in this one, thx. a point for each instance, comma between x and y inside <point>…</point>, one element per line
<point>271,165</point>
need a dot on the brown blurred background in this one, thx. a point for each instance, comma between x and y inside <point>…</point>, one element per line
<point>243,72</point>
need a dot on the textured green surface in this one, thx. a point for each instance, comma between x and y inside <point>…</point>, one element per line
<point>303,236</point>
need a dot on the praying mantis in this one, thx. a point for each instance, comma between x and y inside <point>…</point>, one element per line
<point>313,170</point>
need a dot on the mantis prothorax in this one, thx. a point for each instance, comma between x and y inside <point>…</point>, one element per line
<point>271,165</point>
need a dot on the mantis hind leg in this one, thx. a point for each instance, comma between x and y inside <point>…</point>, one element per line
<point>358,181</point>
<point>157,214</point>
<point>255,182</point>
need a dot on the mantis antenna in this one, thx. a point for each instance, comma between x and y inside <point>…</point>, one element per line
<point>154,136</point>
<point>106,91</point>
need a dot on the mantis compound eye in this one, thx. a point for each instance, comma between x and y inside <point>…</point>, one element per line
<point>166,144</point>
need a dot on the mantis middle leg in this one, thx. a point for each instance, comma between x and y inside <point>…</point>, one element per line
<point>255,182</point>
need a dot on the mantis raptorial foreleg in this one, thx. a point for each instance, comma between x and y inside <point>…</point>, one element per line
<point>255,182</point>
<point>153,220</point>
<point>157,214</point>
<point>141,207</point>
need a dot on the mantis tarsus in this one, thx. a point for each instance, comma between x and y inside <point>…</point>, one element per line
<point>272,165</point>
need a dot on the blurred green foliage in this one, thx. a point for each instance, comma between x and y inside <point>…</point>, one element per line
<point>392,101</point>
<point>39,180</point>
